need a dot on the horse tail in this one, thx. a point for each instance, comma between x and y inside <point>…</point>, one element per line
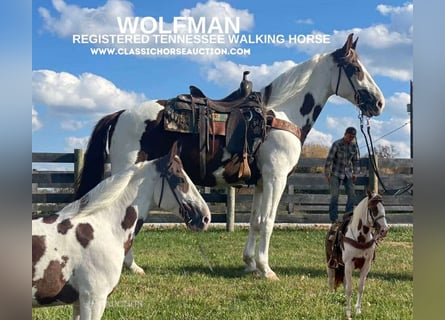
<point>339,275</point>
<point>93,170</point>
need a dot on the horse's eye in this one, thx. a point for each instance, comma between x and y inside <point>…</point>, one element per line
<point>352,69</point>
<point>181,180</point>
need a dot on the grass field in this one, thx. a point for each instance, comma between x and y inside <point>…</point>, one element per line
<point>200,276</point>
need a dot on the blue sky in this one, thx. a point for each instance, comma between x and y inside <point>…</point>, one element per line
<point>72,88</point>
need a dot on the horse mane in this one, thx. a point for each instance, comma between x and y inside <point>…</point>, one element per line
<point>106,192</point>
<point>361,207</point>
<point>300,75</point>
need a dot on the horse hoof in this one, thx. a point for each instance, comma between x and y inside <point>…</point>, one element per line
<point>272,276</point>
<point>138,270</point>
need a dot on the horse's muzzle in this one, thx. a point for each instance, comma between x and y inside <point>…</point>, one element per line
<point>194,218</point>
<point>369,104</point>
<point>383,232</point>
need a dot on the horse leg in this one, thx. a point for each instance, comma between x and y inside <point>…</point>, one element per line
<point>76,310</point>
<point>98,307</point>
<point>348,287</point>
<point>129,258</point>
<point>249,249</point>
<point>131,264</point>
<point>272,190</point>
<point>361,285</point>
<point>331,278</point>
<point>92,306</point>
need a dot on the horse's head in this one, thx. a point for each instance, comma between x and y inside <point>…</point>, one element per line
<point>176,192</point>
<point>377,215</point>
<point>354,83</point>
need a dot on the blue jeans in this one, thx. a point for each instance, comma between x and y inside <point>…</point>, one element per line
<point>334,186</point>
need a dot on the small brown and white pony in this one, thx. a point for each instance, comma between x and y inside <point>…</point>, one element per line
<point>357,241</point>
<point>77,254</point>
<point>296,96</point>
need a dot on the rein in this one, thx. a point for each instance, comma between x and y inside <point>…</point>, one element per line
<point>369,146</point>
<point>371,154</point>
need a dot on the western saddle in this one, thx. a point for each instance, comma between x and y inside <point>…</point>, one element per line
<point>238,117</point>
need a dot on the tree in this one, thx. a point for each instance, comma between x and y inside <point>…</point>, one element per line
<point>386,151</point>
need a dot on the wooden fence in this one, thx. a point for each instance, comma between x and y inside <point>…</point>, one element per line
<point>305,200</point>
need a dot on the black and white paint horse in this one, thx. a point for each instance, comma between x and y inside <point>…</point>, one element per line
<point>296,97</point>
<point>359,236</point>
<point>77,253</point>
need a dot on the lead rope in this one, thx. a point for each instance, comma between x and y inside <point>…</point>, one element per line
<point>372,159</point>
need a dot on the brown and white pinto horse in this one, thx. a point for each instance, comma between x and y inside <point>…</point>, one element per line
<point>297,96</point>
<point>357,242</point>
<point>77,254</point>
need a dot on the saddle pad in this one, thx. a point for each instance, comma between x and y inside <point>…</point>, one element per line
<point>180,117</point>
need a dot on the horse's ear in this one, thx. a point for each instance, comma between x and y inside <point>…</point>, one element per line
<point>369,193</point>
<point>348,44</point>
<point>354,44</point>
<point>175,149</point>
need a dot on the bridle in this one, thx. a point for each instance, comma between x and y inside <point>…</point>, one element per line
<point>376,236</point>
<point>342,66</point>
<point>168,176</point>
<point>375,219</point>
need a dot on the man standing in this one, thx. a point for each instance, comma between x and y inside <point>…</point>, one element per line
<point>342,165</point>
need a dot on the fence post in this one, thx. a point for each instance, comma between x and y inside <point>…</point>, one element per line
<point>290,205</point>
<point>373,183</point>
<point>230,207</point>
<point>78,163</point>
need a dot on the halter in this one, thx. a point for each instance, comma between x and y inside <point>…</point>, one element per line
<point>166,175</point>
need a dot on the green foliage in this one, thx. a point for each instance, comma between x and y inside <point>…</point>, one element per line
<point>200,276</point>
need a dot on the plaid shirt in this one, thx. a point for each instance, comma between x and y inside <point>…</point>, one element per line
<point>342,160</point>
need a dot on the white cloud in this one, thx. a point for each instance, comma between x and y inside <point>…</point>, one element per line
<point>305,21</point>
<point>385,49</point>
<point>226,73</point>
<point>36,124</point>
<point>220,10</point>
<point>400,149</point>
<point>88,93</point>
<point>72,125</point>
<point>319,138</point>
<point>76,143</point>
<point>392,130</point>
<point>396,104</point>
<point>73,19</point>
<point>333,124</point>
<point>401,17</point>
